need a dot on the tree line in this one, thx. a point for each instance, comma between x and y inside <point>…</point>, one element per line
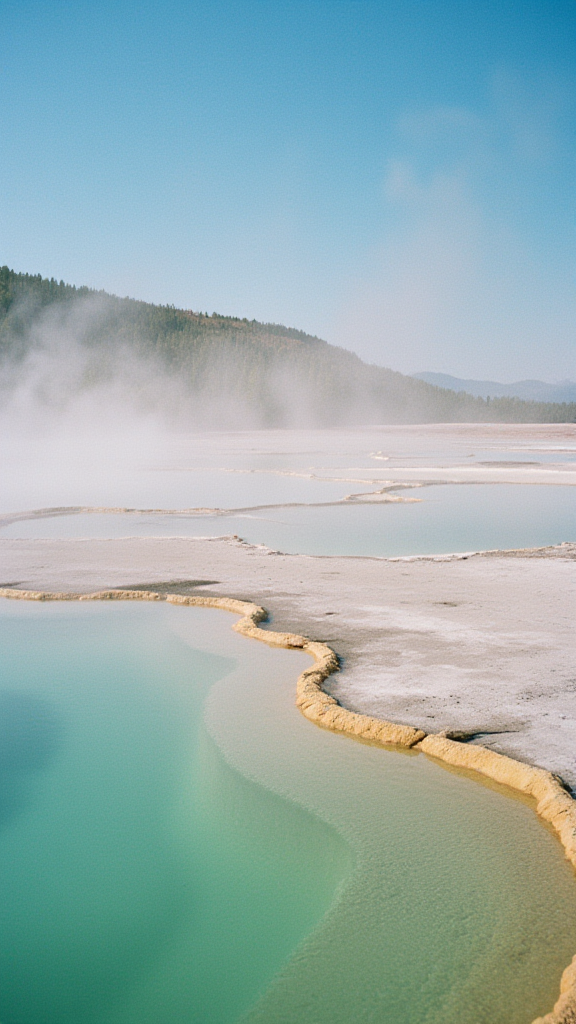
<point>286,377</point>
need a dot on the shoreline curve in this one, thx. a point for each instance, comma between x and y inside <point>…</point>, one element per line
<point>553,803</point>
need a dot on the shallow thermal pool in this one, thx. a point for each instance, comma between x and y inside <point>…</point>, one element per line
<point>180,845</point>
<point>446,518</point>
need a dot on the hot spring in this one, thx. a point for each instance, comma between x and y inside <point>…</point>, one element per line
<point>180,845</point>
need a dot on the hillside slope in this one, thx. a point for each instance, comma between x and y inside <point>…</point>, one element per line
<point>528,390</point>
<point>216,371</point>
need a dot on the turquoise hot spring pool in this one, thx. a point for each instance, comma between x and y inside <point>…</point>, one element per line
<point>179,846</point>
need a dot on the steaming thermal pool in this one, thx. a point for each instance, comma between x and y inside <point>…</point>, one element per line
<point>444,518</point>
<point>180,845</point>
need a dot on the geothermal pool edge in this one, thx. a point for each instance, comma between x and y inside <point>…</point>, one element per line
<point>553,803</point>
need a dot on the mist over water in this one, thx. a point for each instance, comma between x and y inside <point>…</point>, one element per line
<point>178,843</point>
<point>73,366</point>
<point>89,363</point>
<point>86,372</point>
<point>96,415</point>
<point>111,427</point>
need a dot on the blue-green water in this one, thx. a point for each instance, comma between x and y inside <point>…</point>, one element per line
<point>127,842</point>
<point>444,518</point>
<point>179,845</point>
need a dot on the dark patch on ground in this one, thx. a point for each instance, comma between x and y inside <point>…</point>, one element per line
<point>468,737</point>
<point>170,586</point>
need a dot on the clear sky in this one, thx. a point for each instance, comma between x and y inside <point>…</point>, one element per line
<point>396,177</point>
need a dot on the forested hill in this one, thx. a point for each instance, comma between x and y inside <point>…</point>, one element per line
<point>216,370</point>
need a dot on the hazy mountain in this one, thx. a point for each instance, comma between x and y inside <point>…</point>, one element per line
<point>62,346</point>
<point>528,390</point>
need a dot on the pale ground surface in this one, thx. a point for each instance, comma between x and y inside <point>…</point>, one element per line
<point>83,465</point>
<point>484,644</point>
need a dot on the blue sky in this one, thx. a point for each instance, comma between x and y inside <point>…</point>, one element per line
<point>396,177</point>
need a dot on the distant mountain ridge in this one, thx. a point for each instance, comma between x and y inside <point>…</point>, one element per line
<point>527,390</point>
<point>60,344</point>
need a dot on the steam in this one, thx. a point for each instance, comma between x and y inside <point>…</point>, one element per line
<point>88,406</point>
<point>78,418</point>
<point>73,368</point>
<point>86,366</point>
